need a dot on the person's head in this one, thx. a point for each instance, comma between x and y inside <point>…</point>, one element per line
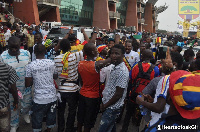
<point>148,40</point>
<point>117,54</point>
<point>30,31</point>
<point>189,55</point>
<point>176,49</point>
<point>46,28</point>
<point>13,46</point>
<point>37,38</point>
<point>142,47</point>
<point>111,43</point>
<point>102,50</point>
<point>37,29</point>
<point>183,94</point>
<point>90,50</point>
<point>18,28</point>
<point>147,55</point>
<point>65,45</point>
<point>5,28</point>
<point>167,66</point>
<point>177,60</point>
<point>128,46</point>
<point>72,39</point>
<point>197,64</point>
<point>99,41</point>
<point>135,46</point>
<point>39,50</point>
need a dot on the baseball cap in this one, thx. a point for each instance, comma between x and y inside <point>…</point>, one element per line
<point>184,88</point>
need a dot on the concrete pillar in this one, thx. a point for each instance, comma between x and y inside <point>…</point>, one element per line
<point>55,15</point>
<point>101,14</point>
<point>26,11</point>
<point>148,18</point>
<point>131,14</point>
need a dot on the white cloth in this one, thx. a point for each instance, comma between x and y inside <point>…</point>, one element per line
<point>119,77</point>
<point>161,92</point>
<point>132,57</point>
<point>7,35</point>
<point>42,70</point>
<point>44,33</point>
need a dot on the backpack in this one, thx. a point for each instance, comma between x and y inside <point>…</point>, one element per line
<point>141,81</point>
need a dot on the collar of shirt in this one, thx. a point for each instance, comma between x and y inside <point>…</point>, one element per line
<point>118,66</point>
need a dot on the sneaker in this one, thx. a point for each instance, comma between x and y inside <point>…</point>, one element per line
<point>13,129</point>
<point>27,118</point>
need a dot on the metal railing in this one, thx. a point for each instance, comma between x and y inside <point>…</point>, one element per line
<point>140,9</point>
<point>113,14</point>
<point>50,2</point>
<point>141,21</point>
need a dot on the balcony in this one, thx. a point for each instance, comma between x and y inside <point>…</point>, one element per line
<point>153,16</point>
<point>49,2</point>
<point>141,21</point>
<point>113,1</point>
<point>140,10</point>
<point>114,15</point>
<point>140,1</point>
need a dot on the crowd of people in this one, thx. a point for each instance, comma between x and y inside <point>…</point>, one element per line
<point>152,83</point>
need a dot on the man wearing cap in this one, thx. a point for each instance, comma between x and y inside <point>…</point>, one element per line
<point>103,52</point>
<point>184,108</point>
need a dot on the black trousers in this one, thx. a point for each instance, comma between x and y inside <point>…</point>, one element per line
<point>130,111</point>
<point>72,99</point>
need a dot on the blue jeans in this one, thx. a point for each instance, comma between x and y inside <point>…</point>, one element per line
<point>108,119</point>
<point>41,110</point>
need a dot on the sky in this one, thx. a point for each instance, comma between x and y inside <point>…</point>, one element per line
<point>169,18</point>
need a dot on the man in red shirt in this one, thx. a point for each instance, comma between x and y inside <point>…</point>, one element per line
<point>89,99</point>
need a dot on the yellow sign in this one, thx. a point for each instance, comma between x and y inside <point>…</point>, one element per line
<point>187,7</point>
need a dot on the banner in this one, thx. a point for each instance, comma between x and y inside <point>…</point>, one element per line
<point>188,12</point>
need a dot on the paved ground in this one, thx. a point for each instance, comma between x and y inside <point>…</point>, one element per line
<point>24,127</point>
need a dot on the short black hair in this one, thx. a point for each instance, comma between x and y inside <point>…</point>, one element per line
<point>88,48</point>
<point>39,49</point>
<point>179,49</point>
<point>39,34</point>
<point>13,39</point>
<point>178,58</point>
<point>189,52</point>
<point>65,45</point>
<point>120,46</point>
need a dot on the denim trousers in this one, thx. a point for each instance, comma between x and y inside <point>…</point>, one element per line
<point>70,98</point>
<point>25,104</point>
<point>108,119</point>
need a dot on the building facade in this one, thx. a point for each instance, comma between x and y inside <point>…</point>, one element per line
<point>36,11</point>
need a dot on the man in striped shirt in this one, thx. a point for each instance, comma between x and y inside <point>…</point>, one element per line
<point>8,77</point>
<point>68,87</point>
<point>18,58</point>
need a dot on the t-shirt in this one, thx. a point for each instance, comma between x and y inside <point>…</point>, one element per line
<point>30,40</point>
<point>132,57</point>
<point>44,33</point>
<point>151,90</point>
<point>90,78</point>
<point>24,58</point>
<point>161,91</point>
<point>8,76</point>
<point>119,77</point>
<point>73,60</point>
<point>135,70</point>
<point>42,70</point>
<point>7,36</point>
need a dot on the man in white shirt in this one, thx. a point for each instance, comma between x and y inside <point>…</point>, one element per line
<point>7,34</point>
<point>45,32</point>
<point>130,55</point>
<point>42,73</point>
